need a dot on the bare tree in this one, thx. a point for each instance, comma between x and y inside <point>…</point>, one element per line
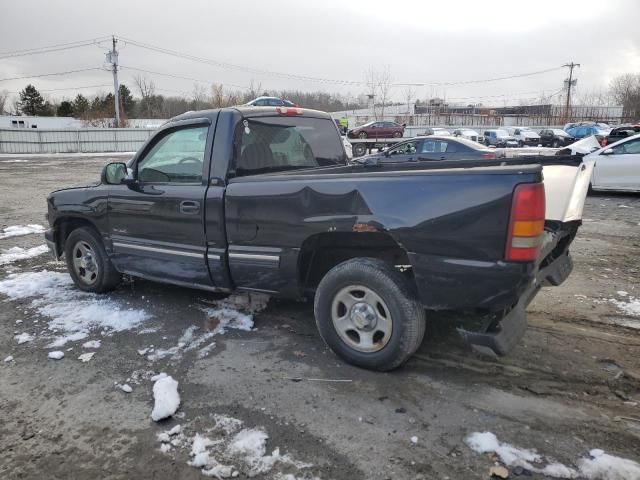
<point>625,90</point>
<point>379,88</point>
<point>254,89</point>
<point>199,97</point>
<point>145,86</point>
<point>217,96</point>
<point>4,98</point>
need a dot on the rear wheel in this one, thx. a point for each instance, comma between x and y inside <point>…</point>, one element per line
<point>88,263</point>
<point>368,314</point>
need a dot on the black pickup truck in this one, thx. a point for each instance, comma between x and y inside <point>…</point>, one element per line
<point>263,199</point>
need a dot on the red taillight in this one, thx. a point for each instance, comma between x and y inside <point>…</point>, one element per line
<point>289,111</point>
<point>526,223</point>
<point>489,156</point>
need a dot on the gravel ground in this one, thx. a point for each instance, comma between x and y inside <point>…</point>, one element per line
<point>572,385</point>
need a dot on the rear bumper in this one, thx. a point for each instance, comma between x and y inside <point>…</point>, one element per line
<point>504,334</point>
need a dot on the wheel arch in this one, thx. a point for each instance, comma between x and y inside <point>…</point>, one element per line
<point>321,252</point>
<point>65,225</point>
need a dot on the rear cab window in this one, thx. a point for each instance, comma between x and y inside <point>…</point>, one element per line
<point>281,143</point>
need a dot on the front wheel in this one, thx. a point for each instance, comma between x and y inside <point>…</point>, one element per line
<point>362,135</point>
<point>88,262</point>
<point>368,314</point>
<point>397,134</point>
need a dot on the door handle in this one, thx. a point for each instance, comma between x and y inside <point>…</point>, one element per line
<point>189,207</point>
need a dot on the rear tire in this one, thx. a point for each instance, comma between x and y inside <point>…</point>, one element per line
<point>359,149</point>
<point>88,262</point>
<point>368,314</point>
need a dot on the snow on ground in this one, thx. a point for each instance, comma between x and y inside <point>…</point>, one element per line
<point>91,344</point>
<point>73,314</point>
<point>166,397</point>
<point>226,449</point>
<point>19,230</point>
<point>597,466</point>
<point>24,337</point>
<point>18,253</point>
<point>631,308</point>
<point>234,312</point>
<point>8,359</point>
<point>56,355</point>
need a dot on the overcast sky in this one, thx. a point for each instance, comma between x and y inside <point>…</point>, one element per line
<point>420,42</point>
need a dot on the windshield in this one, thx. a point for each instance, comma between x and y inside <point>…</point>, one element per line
<point>560,133</point>
<point>368,124</point>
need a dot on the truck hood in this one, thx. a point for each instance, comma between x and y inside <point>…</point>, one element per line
<point>76,187</point>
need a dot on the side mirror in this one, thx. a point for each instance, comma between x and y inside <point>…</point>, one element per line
<point>608,151</point>
<point>114,173</point>
<point>387,153</point>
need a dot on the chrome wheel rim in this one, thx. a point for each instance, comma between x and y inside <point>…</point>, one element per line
<point>84,263</point>
<point>361,318</point>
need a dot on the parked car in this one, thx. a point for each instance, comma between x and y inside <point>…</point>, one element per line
<point>600,125</point>
<point>499,138</point>
<point>433,148</point>
<point>617,166</point>
<point>468,134</point>
<point>270,102</point>
<point>377,130</point>
<point>264,200</point>
<point>621,132</point>
<point>556,138</point>
<point>525,136</point>
<point>583,131</point>
<point>437,131</point>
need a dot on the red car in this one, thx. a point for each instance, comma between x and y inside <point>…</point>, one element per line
<point>377,130</point>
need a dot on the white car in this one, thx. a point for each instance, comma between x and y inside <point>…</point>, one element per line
<point>617,166</point>
<point>525,136</point>
<point>468,134</point>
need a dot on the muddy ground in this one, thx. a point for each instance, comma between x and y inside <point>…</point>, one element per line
<point>572,385</point>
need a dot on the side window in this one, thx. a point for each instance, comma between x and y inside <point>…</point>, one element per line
<point>274,102</point>
<point>453,147</point>
<point>176,158</point>
<point>404,149</point>
<point>272,144</point>
<point>434,146</point>
<point>516,132</point>
<point>627,148</point>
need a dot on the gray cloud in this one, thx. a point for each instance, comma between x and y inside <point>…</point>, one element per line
<point>419,41</point>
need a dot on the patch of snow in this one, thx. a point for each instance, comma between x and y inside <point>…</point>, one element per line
<point>85,357</point>
<point>166,397</point>
<point>236,311</point>
<point>56,355</point>
<point>414,439</point>
<point>62,341</point>
<point>8,359</point>
<point>622,293</point>
<point>71,312</point>
<point>18,253</point>
<point>602,466</point>
<point>227,424</point>
<point>24,338</point>
<point>91,344</point>
<point>631,308</point>
<point>598,466</point>
<point>126,388</point>
<point>19,230</point>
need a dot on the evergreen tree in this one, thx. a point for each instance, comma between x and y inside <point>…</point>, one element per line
<point>127,103</point>
<point>65,109</point>
<point>31,102</point>
<point>80,105</point>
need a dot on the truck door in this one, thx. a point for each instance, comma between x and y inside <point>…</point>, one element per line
<point>157,224</point>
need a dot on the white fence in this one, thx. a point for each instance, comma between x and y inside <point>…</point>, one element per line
<point>82,140</point>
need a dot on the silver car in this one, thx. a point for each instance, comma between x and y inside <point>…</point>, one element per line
<point>617,166</point>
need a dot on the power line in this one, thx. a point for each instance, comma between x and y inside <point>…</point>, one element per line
<point>227,65</point>
<point>51,74</point>
<point>180,77</point>
<point>51,48</point>
<point>71,88</point>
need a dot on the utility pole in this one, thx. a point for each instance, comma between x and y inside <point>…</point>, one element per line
<point>112,58</point>
<point>571,82</point>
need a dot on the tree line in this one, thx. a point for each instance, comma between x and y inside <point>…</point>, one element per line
<point>99,110</point>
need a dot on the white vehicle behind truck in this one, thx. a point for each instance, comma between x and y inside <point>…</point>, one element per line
<point>525,136</point>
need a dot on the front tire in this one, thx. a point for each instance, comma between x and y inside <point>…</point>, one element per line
<point>368,314</point>
<point>397,134</point>
<point>88,262</point>
<point>362,135</point>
